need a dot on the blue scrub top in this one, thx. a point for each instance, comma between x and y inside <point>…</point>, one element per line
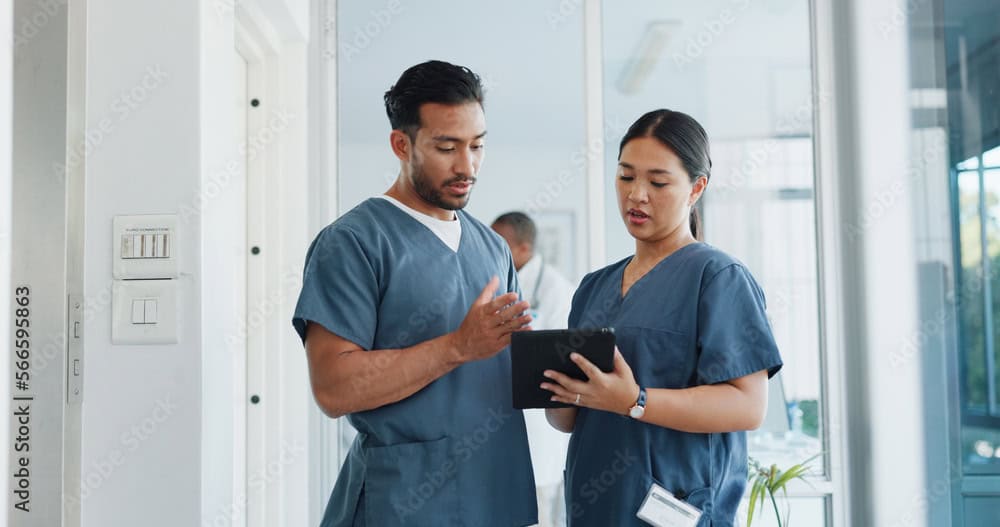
<point>456,452</point>
<point>696,318</point>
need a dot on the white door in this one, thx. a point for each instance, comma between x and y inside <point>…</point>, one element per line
<point>239,239</point>
<point>260,404</point>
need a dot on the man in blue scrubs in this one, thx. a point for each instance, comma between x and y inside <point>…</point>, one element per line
<point>406,336</point>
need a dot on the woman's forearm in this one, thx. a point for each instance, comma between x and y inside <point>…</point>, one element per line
<point>731,406</point>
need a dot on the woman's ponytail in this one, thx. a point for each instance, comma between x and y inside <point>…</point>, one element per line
<point>695,221</point>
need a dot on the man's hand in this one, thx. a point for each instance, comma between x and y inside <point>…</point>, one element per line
<point>487,326</point>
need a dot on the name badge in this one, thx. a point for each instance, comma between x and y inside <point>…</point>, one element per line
<point>662,509</point>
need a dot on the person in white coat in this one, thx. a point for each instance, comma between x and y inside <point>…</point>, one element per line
<point>551,296</point>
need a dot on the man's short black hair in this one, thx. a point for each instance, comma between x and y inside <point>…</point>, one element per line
<point>433,81</point>
<point>524,228</point>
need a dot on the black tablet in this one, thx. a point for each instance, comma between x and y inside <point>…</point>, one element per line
<point>533,352</point>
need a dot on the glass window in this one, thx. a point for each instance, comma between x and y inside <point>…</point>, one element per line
<point>969,164</point>
<point>969,34</point>
<point>744,71</point>
<point>991,158</point>
<point>973,324</point>
<point>954,65</point>
<point>979,222</point>
<point>991,209</point>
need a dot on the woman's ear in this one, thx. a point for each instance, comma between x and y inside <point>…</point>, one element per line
<point>400,143</point>
<point>697,189</point>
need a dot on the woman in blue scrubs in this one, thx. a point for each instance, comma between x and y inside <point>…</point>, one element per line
<point>695,349</point>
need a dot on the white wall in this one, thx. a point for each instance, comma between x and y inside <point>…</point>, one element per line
<point>6,121</point>
<point>168,155</point>
<point>142,405</point>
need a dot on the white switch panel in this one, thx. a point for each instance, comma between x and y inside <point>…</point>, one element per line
<point>74,374</point>
<point>145,246</point>
<point>145,312</point>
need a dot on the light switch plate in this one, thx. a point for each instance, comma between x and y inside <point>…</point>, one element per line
<point>74,373</point>
<point>163,331</point>
<point>145,246</point>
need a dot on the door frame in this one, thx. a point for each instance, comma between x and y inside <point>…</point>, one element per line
<point>327,450</point>
<point>272,483</point>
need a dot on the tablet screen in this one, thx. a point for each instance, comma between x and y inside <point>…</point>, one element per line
<point>533,352</point>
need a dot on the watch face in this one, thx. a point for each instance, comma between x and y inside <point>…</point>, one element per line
<point>636,412</point>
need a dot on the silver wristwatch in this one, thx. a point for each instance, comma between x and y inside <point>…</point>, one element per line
<point>639,408</point>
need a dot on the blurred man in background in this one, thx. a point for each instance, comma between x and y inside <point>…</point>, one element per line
<point>550,296</point>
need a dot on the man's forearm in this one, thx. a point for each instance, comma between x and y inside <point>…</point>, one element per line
<point>562,419</point>
<point>363,380</point>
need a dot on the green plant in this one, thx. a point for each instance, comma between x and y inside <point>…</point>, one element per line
<point>765,482</point>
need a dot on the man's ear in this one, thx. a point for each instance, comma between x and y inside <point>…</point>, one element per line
<point>401,145</point>
<point>525,248</point>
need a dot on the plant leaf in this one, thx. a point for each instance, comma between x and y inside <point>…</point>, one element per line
<point>796,471</point>
<point>762,495</point>
<point>768,481</point>
<point>754,491</point>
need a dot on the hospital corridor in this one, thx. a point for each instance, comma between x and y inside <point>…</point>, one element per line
<point>581,263</point>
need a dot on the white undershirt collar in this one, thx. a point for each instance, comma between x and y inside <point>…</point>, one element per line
<point>449,231</point>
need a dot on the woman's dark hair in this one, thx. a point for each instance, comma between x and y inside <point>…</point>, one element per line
<point>685,137</point>
<point>433,81</point>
